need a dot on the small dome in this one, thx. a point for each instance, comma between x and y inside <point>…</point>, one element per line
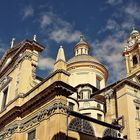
<point>81,42</point>
<point>81,58</point>
<point>81,47</point>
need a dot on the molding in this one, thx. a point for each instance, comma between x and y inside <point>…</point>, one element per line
<point>128,93</point>
<point>56,89</point>
<point>28,122</point>
<point>92,108</point>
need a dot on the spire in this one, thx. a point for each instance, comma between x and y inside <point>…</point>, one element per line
<point>60,60</point>
<point>12,42</point>
<point>60,55</point>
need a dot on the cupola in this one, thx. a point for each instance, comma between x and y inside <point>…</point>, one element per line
<point>81,47</point>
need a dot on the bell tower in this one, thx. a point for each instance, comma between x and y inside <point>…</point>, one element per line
<point>132,55</point>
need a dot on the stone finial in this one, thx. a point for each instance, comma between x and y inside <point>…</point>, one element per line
<point>34,38</point>
<point>12,42</point>
<point>60,54</point>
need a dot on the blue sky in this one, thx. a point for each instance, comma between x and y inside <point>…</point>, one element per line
<point>105,24</point>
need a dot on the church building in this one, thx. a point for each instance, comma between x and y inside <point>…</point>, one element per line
<point>73,102</point>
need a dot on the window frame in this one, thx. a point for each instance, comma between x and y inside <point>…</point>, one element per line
<point>98,81</point>
<point>81,94</point>
<point>99,116</point>
<point>33,130</point>
<point>4,97</point>
<point>135,58</point>
<point>71,106</point>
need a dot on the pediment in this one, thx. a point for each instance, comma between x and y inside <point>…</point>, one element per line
<point>12,54</point>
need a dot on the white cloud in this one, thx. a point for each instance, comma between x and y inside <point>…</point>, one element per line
<point>110,48</point>
<point>112,25</point>
<point>28,11</point>
<point>114,2</point>
<point>46,63</point>
<point>110,52</point>
<point>58,29</point>
<point>45,21</point>
<point>65,34</point>
<point>132,9</point>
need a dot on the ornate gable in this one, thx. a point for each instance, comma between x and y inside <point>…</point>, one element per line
<point>15,54</point>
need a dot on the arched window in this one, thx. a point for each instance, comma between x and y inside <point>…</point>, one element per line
<point>81,125</point>
<point>135,60</point>
<point>98,82</point>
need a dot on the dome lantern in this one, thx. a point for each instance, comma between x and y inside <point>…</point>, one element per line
<point>81,47</point>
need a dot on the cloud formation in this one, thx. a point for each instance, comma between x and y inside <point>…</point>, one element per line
<point>28,11</point>
<point>114,2</point>
<point>109,50</point>
<point>59,29</point>
<point>132,10</point>
<point>46,63</point>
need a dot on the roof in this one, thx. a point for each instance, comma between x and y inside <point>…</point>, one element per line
<point>81,42</point>
<point>19,46</point>
<point>81,58</point>
<point>118,84</point>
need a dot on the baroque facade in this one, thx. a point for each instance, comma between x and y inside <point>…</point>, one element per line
<point>73,102</point>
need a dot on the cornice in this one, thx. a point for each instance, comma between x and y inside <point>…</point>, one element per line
<point>21,47</point>
<point>28,122</point>
<point>130,49</point>
<point>89,64</point>
<point>56,89</point>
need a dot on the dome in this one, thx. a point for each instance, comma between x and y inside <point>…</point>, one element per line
<point>81,58</point>
<point>81,42</point>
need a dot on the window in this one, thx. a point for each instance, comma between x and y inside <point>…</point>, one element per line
<point>32,135</point>
<point>5,92</point>
<point>98,82</point>
<point>86,94</point>
<point>138,78</point>
<point>135,60</point>
<point>137,112</point>
<point>71,106</point>
<point>99,117</point>
<point>98,106</point>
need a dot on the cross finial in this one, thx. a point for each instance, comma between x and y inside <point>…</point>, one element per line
<point>81,37</point>
<point>34,38</point>
<point>12,42</point>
